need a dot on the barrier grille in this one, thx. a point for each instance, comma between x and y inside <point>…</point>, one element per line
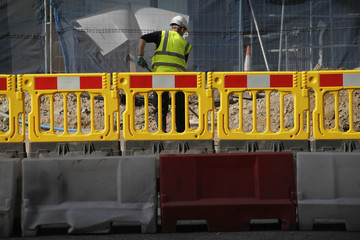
<point>140,88</point>
<point>63,96</point>
<point>337,98</point>
<point>14,131</point>
<point>268,105</point>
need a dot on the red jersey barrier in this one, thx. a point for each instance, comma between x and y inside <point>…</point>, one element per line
<point>227,190</point>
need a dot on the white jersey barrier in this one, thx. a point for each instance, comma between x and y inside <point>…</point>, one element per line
<point>328,188</point>
<point>89,194</point>
<point>8,188</point>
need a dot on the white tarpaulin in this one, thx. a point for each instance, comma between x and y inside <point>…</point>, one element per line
<point>112,28</point>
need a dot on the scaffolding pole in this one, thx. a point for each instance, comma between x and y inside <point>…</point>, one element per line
<point>45,34</point>
<point>281,33</point>
<point>51,45</point>
<point>241,52</point>
<point>259,36</point>
<point>48,37</point>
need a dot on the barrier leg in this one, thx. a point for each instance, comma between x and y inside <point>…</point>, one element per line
<point>150,227</point>
<point>168,224</point>
<point>29,232</point>
<point>227,224</point>
<point>94,229</point>
<point>306,223</point>
<point>6,227</point>
<point>288,224</point>
<point>352,223</point>
<point>288,218</point>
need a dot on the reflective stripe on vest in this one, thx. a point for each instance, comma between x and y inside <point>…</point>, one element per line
<point>176,53</point>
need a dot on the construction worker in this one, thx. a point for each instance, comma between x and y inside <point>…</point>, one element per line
<point>171,54</point>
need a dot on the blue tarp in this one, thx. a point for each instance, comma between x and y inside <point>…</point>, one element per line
<point>21,37</point>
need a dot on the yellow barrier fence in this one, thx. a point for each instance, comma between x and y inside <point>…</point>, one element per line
<point>337,100</point>
<point>16,128</point>
<point>261,105</point>
<point>70,102</point>
<point>139,89</point>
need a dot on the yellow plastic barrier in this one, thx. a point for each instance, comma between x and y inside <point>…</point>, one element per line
<point>16,132</point>
<point>264,83</point>
<point>47,85</point>
<point>336,93</point>
<point>142,84</point>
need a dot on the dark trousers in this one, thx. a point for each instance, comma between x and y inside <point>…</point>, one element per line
<point>179,110</point>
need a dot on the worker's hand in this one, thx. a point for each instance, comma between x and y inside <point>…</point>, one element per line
<point>141,62</point>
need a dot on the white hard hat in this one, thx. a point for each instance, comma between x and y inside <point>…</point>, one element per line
<point>179,20</point>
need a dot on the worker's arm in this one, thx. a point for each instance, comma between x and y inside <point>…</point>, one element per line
<point>141,61</point>
<point>154,37</point>
<point>141,47</point>
<point>186,57</point>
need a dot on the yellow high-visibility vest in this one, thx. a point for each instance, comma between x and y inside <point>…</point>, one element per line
<point>169,56</point>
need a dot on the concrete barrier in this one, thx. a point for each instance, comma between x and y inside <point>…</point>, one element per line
<point>88,194</point>
<point>8,189</point>
<point>328,186</point>
<point>227,190</point>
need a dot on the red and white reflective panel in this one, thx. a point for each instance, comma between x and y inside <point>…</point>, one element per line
<point>163,81</point>
<point>340,80</point>
<point>64,83</point>
<point>3,86</point>
<point>259,81</point>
